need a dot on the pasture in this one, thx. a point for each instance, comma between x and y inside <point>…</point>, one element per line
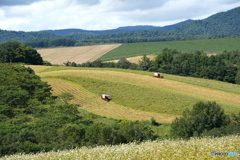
<point>136,95</point>
<point>195,148</point>
<point>139,49</point>
<point>78,55</point>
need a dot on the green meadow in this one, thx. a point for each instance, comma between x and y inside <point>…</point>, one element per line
<point>206,45</point>
<point>136,94</point>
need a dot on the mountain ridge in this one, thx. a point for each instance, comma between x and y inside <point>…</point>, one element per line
<point>137,28</point>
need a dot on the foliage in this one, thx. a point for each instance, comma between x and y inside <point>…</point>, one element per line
<point>51,42</point>
<point>218,24</point>
<point>203,116</point>
<point>12,52</point>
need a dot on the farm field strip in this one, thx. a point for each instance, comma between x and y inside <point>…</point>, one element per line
<point>75,54</point>
<point>195,148</point>
<point>206,45</point>
<point>92,103</point>
<point>151,94</point>
<point>147,81</point>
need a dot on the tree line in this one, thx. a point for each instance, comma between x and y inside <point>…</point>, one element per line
<point>222,67</point>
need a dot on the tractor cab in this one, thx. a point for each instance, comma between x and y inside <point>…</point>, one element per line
<point>105,97</point>
<point>157,75</point>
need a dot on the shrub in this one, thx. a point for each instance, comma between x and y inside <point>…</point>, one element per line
<point>203,116</point>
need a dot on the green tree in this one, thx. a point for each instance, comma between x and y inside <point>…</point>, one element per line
<point>11,52</point>
<point>123,63</point>
<point>237,78</point>
<point>203,116</point>
<point>144,63</point>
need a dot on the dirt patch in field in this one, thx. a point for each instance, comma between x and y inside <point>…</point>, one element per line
<point>75,54</point>
<point>135,59</point>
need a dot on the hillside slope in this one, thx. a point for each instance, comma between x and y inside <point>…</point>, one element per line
<point>136,94</point>
<point>223,23</point>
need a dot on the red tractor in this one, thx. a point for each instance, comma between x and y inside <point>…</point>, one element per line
<point>105,97</point>
<point>157,75</point>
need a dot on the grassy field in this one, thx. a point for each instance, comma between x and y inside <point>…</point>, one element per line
<point>194,148</point>
<point>78,55</point>
<point>206,45</point>
<point>136,95</point>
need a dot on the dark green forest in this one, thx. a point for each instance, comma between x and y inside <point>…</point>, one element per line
<point>223,67</point>
<point>14,52</point>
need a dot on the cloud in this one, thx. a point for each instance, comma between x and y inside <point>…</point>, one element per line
<point>104,14</point>
<point>17,2</point>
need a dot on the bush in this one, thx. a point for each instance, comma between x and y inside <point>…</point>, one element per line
<point>203,116</point>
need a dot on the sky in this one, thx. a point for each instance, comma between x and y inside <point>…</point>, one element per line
<point>35,15</point>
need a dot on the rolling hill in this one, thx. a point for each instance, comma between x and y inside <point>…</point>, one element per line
<point>224,23</point>
<point>136,95</point>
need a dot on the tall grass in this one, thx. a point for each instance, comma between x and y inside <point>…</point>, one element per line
<point>206,45</point>
<point>195,148</point>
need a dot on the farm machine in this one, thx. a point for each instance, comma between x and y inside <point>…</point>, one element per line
<point>157,75</point>
<point>105,97</point>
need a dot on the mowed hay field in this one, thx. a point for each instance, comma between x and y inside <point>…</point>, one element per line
<point>136,95</point>
<point>78,55</point>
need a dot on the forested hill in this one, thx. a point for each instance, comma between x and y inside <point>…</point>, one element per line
<point>224,23</point>
<point>219,25</point>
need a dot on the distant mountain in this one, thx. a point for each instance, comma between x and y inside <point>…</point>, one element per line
<point>223,23</point>
<point>120,29</point>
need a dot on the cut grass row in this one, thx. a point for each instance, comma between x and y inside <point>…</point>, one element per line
<point>194,148</point>
<point>136,94</point>
<point>206,45</point>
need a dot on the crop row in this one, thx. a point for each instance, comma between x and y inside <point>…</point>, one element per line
<point>206,45</point>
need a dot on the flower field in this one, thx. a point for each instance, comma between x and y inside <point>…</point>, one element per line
<point>194,148</point>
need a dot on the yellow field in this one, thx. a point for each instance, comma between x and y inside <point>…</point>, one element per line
<point>136,95</point>
<point>75,54</point>
<point>136,59</point>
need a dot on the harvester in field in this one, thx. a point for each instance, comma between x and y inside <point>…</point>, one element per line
<point>157,75</point>
<point>105,97</point>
